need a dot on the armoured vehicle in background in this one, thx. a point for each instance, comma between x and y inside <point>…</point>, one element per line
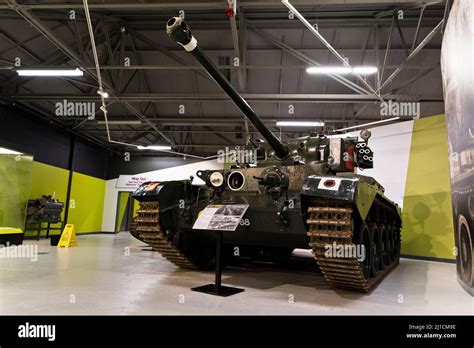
<point>301,194</point>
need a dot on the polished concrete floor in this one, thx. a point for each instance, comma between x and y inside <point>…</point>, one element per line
<point>116,274</point>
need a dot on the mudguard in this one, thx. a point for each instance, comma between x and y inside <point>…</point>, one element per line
<point>168,194</point>
<point>358,189</point>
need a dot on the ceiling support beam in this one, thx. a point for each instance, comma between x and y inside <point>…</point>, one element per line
<point>270,97</point>
<point>33,56</point>
<point>377,56</point>
<point>205,5</point>
<point>412,54</point>
<point>236,44</point>
<point>417,31</point>
<point>164,51</point>
<point>321,38</point>
<point>243,45</point>
<point>408,7</point>
<point>31,38</point>
<point>402,37</point>
<point>228,66</point>
<point>349,84</point>
<point>220,136</point>
<point>364,47</point>
<point>415,78</point>
<point>36,23</point>
<point>231,122</point>
<point>387,50</point>
<point>447,8</point>
<point>52,59</point>
<point>148,89</point>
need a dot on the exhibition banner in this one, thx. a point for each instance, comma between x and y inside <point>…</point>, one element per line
<point>457,64</point>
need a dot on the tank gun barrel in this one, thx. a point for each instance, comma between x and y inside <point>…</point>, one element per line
<point>179,31</point>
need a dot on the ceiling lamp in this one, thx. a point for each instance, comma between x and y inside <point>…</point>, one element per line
<point>300,123</point>
<point>50,72</point>
<point>120,122</point>
<point>328,70</point>
<point>340,69</point>
<point>154,147</point>
<point>365,70</point>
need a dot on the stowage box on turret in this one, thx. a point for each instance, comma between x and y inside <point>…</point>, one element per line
<point>301,194</point>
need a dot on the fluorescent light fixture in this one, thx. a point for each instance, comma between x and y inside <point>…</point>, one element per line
<point>361,70</point>
<point>328,70</point>
<point>300,123</point>
<point>4,151</point>
<point>50,72</point>
<point>120,122</point>
<point>368,124</point>
<point>154,147</point>
<point>365,70</point>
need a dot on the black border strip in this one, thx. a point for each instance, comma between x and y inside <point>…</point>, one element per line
<point>242,330</point>
<point>427,258</point>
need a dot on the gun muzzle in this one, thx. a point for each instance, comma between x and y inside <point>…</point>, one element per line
<point>178,30</point>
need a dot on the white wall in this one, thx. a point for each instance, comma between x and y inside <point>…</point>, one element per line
<point>110,206</point>
<point>391,146</point>
<point>174,173</point>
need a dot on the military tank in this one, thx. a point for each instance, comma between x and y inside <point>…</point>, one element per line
<point>303,193</point>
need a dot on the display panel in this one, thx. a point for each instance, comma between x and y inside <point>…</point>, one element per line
<point>15,182</point>
<point>458,73</point>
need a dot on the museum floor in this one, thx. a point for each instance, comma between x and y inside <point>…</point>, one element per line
<point>116,274</point>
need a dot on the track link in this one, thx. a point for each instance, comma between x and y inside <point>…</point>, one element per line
<point>146,228</point>
<point>331,222</point>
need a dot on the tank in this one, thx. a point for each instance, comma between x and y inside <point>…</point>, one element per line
<point>303,193</point>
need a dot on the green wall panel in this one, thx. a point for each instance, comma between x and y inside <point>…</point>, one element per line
<point>49,180</point>
<point>87,193</point>
<point>427,218</point>
<point>123,199</point>
<point>87,197</point>
<point>136,206</point>
<point>15,181</point>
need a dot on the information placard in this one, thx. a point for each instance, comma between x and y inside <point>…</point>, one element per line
<point>220,217</point>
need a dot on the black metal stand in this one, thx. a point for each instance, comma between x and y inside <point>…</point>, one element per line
<point>40,228</point>
<point>217,288</point>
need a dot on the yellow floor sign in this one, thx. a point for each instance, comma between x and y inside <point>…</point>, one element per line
<point>68,237</point>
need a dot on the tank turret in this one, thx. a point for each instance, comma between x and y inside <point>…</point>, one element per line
<point>338,154</point>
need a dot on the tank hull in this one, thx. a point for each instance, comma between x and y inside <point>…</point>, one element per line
<point>315,216</point>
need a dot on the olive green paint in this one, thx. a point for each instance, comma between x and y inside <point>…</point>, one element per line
<point>365,196</point>
<point>87,203</point>
<point>15,181</point>
<point>123,199</point>
<point>87,195</point>
<point>427,218</point>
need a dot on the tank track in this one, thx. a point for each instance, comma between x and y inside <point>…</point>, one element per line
<point>332,222</point>
<point>146,228</point>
